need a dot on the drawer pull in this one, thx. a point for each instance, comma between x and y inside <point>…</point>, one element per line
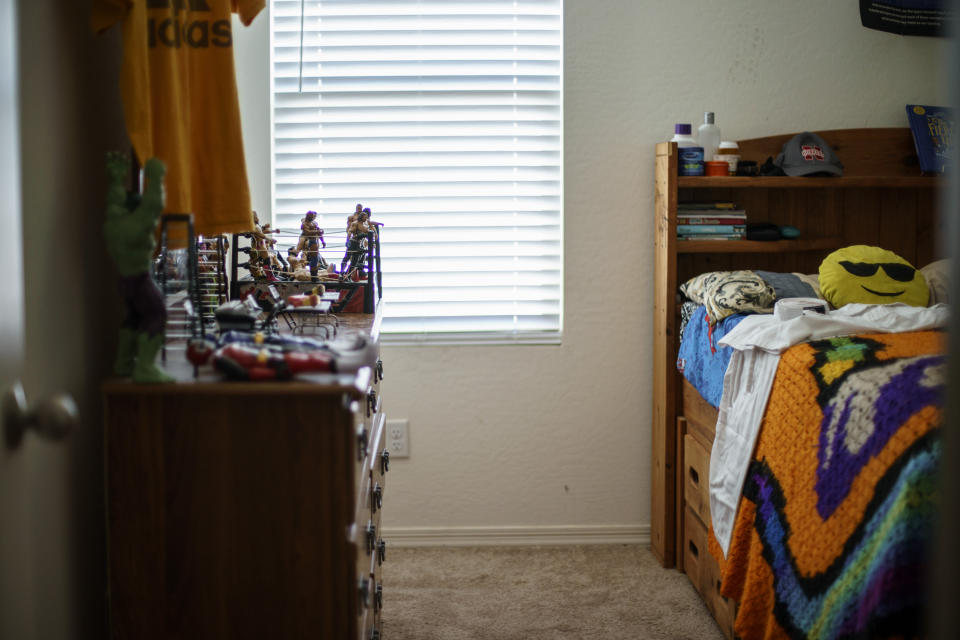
<point>694,476</point>
<point>371,402</point>
<point>694,550</point>
<point>385,462</point>
<point>379,369</point>
<point>371,538</point>
<point>378,597</point>
<point>381,551</point>
<point>377,501</point>
<point>365,592</point>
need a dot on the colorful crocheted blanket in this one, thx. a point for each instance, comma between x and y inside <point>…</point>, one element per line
<point>838,508</point>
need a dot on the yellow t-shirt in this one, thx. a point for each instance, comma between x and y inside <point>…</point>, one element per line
<point>180,102</point>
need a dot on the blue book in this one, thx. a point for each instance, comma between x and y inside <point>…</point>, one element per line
<point>932,129</point>
<point>697,229</point>
<point>713,236</point>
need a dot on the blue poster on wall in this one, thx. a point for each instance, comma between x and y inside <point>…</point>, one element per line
<point>907,17</point>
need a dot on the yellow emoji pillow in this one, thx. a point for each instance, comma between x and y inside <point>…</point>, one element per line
<point>871,275</point>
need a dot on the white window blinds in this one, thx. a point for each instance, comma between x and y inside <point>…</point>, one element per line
<point>444,117</point>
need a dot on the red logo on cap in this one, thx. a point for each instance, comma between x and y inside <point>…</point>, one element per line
<point>811,153</point>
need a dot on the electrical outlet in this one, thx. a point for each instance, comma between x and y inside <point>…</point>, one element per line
<point>398,438</point>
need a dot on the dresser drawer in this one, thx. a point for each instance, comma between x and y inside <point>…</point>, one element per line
<point>378,596</point>
<point>365,628</point>
<point>378,444</point>
<point>373,541</point>
<point>696,474</point>
<point>364,507</point>
<point>361,437</point>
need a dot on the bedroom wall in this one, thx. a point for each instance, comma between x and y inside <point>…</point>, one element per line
<point>541,443</point>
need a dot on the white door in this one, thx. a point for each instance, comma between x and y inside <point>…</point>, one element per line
<point>60,112</point>
<point>16,606</point>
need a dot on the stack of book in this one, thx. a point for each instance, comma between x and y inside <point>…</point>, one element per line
<point>711,221</point>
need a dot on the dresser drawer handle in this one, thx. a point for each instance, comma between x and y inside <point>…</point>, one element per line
<point>379,369</point>
<point>385,462</point>
<point>371,402</point>
<point>371,538</point>
<point>378,597</point>
<point>381,551</point>
<point>377,501</point>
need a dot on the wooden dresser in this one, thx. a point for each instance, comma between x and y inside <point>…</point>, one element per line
<point>246,510</point>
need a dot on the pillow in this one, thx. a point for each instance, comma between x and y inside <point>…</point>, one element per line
<point>788,285</point>
<point>725,293</point>
<point>813,280</point>
<point>937,275</point>
<point>871,275</point>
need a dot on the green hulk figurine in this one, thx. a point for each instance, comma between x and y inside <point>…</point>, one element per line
<point>129,232</point>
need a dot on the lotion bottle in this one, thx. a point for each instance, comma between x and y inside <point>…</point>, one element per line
<point>690,160</point>
<point>708,136</point>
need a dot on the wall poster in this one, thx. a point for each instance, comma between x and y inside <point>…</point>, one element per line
<point>907,17</point>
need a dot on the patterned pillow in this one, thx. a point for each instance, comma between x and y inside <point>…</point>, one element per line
<point>725,293</point>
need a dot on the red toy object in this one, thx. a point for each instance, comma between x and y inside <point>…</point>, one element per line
<point>199,351</point>
<point>311,299</point>
<point>249,362</point>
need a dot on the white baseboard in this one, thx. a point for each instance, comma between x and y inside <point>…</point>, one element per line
<point>517,536</point>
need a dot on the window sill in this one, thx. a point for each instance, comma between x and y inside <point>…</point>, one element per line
<point>494,339</point>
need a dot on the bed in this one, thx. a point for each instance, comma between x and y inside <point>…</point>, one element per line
<point>823,542</point>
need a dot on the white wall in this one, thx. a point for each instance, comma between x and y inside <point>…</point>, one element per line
<point>251,52</point>
<point>555,440</point>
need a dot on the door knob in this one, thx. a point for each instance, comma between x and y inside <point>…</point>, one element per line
<point>53,417</point>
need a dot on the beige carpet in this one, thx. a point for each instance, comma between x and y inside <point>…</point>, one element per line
<point>611,592</point>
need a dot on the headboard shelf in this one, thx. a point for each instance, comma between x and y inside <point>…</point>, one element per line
<point>752,246</point>
<point>839,182</point>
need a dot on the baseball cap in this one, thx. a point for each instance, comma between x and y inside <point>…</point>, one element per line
<point>807,154</point>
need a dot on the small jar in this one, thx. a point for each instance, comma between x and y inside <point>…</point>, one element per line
<point>728,152</point>
<point>717,168</point>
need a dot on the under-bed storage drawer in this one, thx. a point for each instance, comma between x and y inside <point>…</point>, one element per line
<point>696,474</point>
<point>704,572</point>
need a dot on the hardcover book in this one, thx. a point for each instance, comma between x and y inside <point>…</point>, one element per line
<point>932,129</point>
<point>713,236</point>
<point>693,229</point>
<point>711,220</point>
<point>706,206</point>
